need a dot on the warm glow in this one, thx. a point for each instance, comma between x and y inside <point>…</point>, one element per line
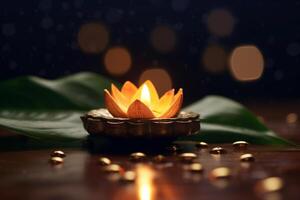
<point>117,61</point>
<point>145,182</point>
<point>246,63</point>
<point>214,59</point>
<point>143,102</point>
<point>160,77</point>
<point>163,39</point>
<point>292,118</point>
<point>145,95</point>
<point>220,22</point>
<point>93,38</point>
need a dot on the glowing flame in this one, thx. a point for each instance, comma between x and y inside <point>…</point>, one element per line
<point>145,182</point>
<point>145,95</point>
<point>142,102</point>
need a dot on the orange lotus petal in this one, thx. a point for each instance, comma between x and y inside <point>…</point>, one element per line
<point>112,105</point>
<point>164,102</point>
<point>128,90</point>
<point>139,110</point>
<point>118,96</point>
<point>153,93</point>
<point>175,107</point>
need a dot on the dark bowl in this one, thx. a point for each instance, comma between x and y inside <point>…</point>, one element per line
<point>101,123</point>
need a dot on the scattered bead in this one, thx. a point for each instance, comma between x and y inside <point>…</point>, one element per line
<point>172,148</point>
<point>159,159</point>
<point>58,153</point>
<point>195,167</point>
<point>201,145</point>
<point>218,150</point>
<point>137,156</point>
<point>56,160</point>
<point>104,161</point>
<point>221,172</point>
<point>248,157</point>
<point>270,184</point>
<point>240,145</point>
<point>187,157</point>
<point>128,176</point>
<point>113,168</point>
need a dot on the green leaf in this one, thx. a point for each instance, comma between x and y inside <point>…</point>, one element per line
<point>225,121</point>
<point>45,125</point>
<point>81,91</point>
<point>48,111</point>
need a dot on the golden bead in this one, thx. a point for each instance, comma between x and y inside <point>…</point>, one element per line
<point>201,145</point>
<point>137,156</point>
<point>159,159</point>
<point>187,157</point>
<point>248,157</point>
<point>270,184</point>
<point>58,153</point>
<point>128,176</point>
<point>195,167</point>
<point>217,150</point>
<point>240,144</point>
<point>56,160</point>
<point>220,172</point>
<point>104,161</point>
<point>112,168</point>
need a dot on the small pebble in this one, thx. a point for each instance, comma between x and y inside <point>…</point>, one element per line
<point>248,157</point>
<point>270,184</point>
<point>137,156</point>
<point>58,153</point>
<point>104,161</point>
<point>217,150</point>
<point>220,172</point>
<point>240,145</point>
<point>56,160</point>
<point>187,157</point>
<point>113,168</point>
<point>128,176</point>
<point>201,145</point>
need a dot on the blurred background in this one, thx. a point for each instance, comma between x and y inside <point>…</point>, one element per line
<point>240,49</point>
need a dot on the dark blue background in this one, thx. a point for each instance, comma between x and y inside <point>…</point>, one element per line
<point>40,38</point>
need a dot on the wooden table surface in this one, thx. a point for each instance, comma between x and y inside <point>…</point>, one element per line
<point>29,175</point>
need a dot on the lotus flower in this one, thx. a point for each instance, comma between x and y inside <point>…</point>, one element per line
<point>142,102</point>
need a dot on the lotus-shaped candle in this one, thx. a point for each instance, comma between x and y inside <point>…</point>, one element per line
<point>137,115</point>
<point>142,102</point>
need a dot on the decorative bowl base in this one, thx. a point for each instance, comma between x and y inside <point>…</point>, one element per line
<point>100,122</point>
<point>126,133</point>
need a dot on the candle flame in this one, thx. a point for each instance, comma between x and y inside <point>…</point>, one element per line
<point>145,95</point>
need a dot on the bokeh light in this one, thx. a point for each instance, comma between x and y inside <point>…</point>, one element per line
<point>220,22</point>
<point>93,38</point>
<point>214,59</point>
<point>160,78</point>
<point>117,61</point>
<point>247,63</point>
<point>292,118</point>
<point>163,39</point>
